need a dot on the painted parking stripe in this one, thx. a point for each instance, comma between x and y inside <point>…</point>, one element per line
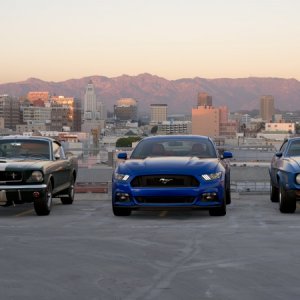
<point>24,213</point>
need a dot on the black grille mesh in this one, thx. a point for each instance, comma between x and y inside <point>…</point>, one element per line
<point>165,181</point>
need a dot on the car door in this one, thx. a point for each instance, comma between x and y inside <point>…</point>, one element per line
<point>62,168</point>
<point>276,163</point>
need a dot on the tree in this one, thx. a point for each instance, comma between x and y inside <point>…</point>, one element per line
<point>154,129</point>
<point>127,142</point>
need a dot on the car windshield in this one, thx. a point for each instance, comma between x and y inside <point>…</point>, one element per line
<point>202,148</point>
<point>294,149</point>
<point>25,149</point>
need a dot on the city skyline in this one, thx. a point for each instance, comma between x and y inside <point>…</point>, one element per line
<point>60,40</point>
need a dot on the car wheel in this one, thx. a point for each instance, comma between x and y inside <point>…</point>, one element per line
<point>286,204</point>
<point>274,193</point>
<point>42,206</point>
<point>218,211</point>
<point>121,211</point>
<point>71,193</point>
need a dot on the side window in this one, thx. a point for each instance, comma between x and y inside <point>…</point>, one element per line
<point>58,151</point>
<point>62,153</point>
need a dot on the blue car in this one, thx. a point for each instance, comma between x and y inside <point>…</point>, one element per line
<point>285,175</point>
<point>174,171</point>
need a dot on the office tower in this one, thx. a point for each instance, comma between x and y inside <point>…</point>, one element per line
<point>267,109</point>
<point>204,99</point>
<point>206,121</point>
<point>10,111</point>
<point>62,113</point>
<point>158,113</point>
<point>90,101</point>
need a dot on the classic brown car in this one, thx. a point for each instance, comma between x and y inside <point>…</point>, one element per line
<point>35,169</point>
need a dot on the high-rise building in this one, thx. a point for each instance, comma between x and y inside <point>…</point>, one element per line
<point>158,113</point>
<point>212,121</point>
<point>77,115</point>
<point>93,109</point>
<point>204,99</point>
<point>90,100</point>
<point>10,111</point>
<point>62,113</point>
<point>267,108</point>
<point>206,121</point>
<point>94,114</point>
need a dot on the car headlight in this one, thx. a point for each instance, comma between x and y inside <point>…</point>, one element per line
<point>212,176</point>
<point>36,176</point>
<point>298,178</point>
<point>121,177</point>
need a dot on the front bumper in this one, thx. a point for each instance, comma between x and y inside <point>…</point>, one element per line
<point>20,193</point>
<point>205,196</point>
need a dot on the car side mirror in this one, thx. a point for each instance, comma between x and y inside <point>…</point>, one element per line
<point>122,155</point>
<point>278,154</point>
<point>57,156</point>
<point>226,154</point>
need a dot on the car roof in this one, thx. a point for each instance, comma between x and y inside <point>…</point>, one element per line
<point>22,137</point>
<point>176,137</point>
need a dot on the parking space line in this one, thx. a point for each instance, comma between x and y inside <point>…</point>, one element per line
<point>24,213</point>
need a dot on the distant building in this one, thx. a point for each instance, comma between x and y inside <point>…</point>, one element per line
<point>35,128</point>
<point>62,112</point>
<point>10,111</point>
<point>175,127</point>
<point>35,112</point>
<point>267,108</point>
<point>38,97</point>
<point>204,99</point>
<point>280,127</point>
<point>90,100</point>
<point>125,109</point>
<point>158,113</point>
<point>94,114</point>
<point>77,115</point>
<point>206,121</point>
<point>213,121</point>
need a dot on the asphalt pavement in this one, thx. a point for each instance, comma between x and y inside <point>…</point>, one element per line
<point>82,251</point>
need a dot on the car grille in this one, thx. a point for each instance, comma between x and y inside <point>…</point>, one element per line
<point>165,181</point>
<point>10,176</point>
<point>164,200</point>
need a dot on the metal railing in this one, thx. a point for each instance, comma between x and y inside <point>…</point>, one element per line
<point>250,186</point>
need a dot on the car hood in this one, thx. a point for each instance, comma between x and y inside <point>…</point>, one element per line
<point>168,165</point>
<point>21,164</point>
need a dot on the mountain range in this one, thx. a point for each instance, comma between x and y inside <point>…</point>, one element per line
<point>180,95</point>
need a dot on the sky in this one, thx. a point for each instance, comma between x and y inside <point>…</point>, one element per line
<point>59,40</point>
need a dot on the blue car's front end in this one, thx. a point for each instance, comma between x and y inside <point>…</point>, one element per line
<point>166,182</point>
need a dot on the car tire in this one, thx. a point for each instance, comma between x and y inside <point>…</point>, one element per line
<point>218,211</point>
<point>42,206</point>
<point>71,193</point>
<point>274,194</point>
<point>287,204</point>
<point>228,196</point>
<point>121,211</point>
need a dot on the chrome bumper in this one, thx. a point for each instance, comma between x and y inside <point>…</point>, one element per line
<point>19,189</point>
<point>23,187</point>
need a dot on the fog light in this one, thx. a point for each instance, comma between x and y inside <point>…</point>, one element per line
<point>122,197</point>
<point>209,197</point>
